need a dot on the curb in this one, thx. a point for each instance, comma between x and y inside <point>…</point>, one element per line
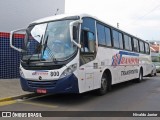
<point>18,97</point>
<point>6,99</point>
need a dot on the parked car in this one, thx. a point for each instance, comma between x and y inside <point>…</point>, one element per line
<point>154,71</point>
<point>157,64</point>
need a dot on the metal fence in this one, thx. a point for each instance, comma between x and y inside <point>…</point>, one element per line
<point>9,58</point>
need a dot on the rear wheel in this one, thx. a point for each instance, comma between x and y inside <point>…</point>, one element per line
<point>140,76</point>
<point>155,74</point>
<point>152,74</point>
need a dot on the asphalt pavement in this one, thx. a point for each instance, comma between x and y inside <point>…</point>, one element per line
<point>128,96</point>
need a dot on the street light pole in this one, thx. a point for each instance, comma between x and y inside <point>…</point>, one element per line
<point>118,25</point>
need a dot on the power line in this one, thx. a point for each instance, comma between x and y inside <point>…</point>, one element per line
<point>152,10</point>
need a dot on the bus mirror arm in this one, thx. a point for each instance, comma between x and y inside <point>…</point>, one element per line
<point>71,32</point>
<point>77,44</point>
<point>11,40</point>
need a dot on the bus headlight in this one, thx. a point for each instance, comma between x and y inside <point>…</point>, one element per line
<point>69,70</point>
<point>21,73</point>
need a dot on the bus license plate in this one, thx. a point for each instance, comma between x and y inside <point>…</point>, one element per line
<point>39,90</point>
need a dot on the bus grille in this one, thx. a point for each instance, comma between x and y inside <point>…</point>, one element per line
<point>42,84</point>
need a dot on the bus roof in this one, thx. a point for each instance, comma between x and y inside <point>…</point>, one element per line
<point>58,17</point>
<point>65,16</point>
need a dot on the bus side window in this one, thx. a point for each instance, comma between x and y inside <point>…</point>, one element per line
<point>130,43</point>
<point>84,41</point>
<point>127,42</point>
<point>135,45</point>
<point>120,41</point>
<point>101,35</point>
<point>104,35</point>
<point>147,50</point>
<point>117,39</point>
<point>91,42</point>
<point>108,37</point>
<point>87,42</point>
<point>141,44</point>
<point>88,37</point>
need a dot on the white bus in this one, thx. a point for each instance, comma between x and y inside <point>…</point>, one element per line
<point>79,53</point>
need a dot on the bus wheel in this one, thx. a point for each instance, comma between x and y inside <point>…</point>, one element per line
<point>155,74</point>
<point>152,74</point>
<point>104,85</point>
<point>140,76</point>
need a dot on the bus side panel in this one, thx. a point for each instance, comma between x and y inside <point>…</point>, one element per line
<point>146,64</point>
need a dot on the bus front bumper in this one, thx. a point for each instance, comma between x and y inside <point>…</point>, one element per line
<point>67,84</point>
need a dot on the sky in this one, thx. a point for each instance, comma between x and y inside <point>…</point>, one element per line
<point>137,17</point>
<point>16,14</point>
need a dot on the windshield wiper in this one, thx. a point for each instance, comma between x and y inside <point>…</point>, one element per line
<point>46,46</point>
<point>38,48</point>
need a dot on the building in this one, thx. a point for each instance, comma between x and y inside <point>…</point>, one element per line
<point>155,51</point>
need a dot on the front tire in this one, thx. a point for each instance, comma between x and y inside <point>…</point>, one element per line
<point>104,85</point>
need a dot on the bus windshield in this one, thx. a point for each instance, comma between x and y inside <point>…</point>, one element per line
<point>48,42</point>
